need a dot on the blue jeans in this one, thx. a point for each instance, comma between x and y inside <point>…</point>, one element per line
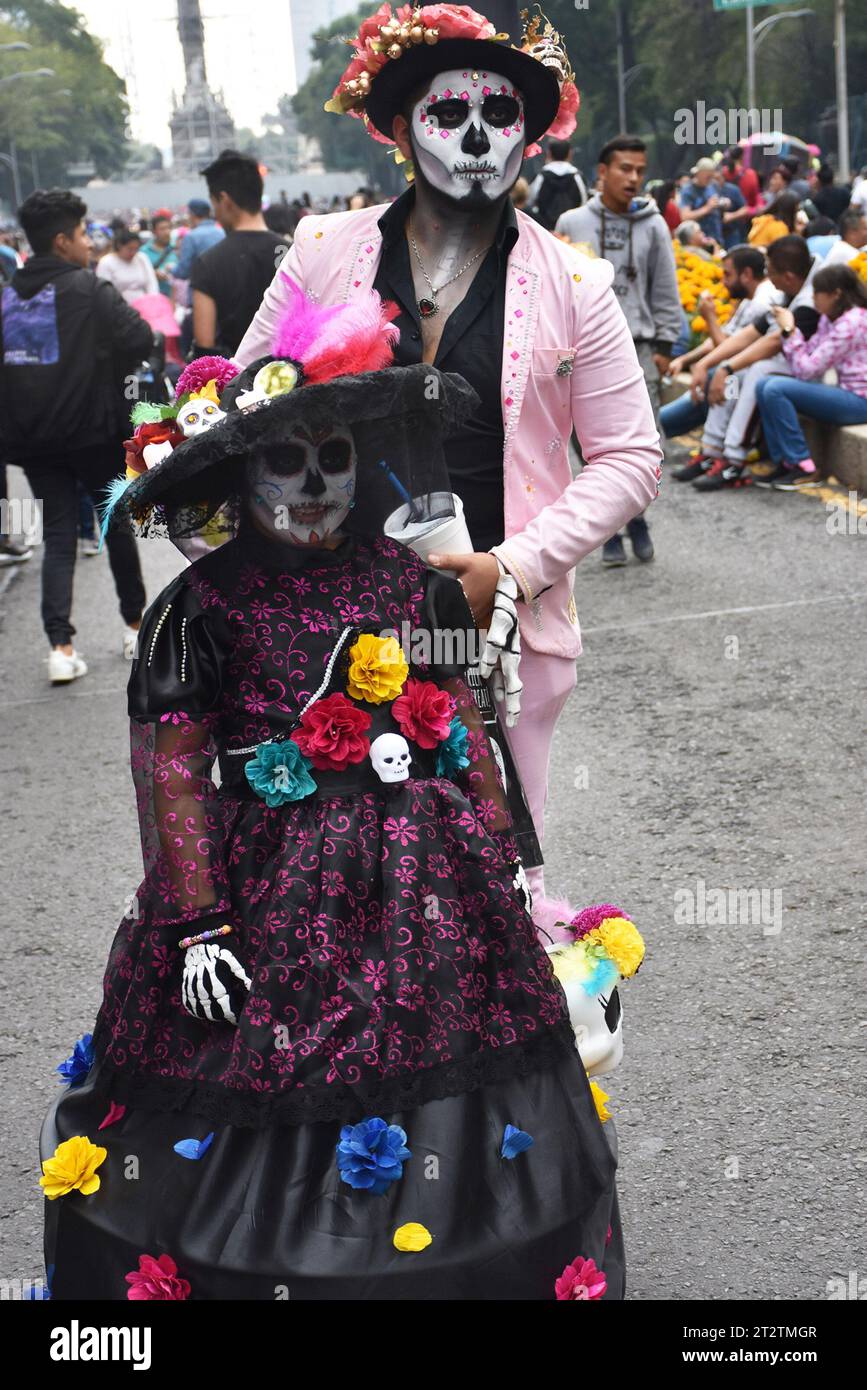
<point>684,414</point>
<point>780,399</point>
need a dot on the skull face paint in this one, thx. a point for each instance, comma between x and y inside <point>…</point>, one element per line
<point>301,490</point>
<point>468,135</point>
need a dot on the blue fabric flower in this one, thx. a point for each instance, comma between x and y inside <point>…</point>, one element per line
<point>73,1071</point>
<point>515,1141</point>
<point>452,755</point>
<point>371,1154</point>
<point>280,773</point>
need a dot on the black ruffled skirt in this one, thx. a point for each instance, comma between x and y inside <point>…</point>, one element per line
<point>264,1214</point>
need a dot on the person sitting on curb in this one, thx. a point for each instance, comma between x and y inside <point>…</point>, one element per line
<point>840,341</point>
<point>750,354</point>
<point>746,282</point>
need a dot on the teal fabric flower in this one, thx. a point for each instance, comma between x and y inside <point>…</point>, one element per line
<point>452,755</point>
<point>280,773</point>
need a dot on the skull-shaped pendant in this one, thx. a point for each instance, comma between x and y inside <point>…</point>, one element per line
<point>390,757</point>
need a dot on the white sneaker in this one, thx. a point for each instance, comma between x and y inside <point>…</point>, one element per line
<point>63,668</point>
<point>130,642</point>
<point>88,546</point>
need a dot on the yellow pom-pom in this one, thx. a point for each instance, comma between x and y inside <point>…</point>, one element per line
<point>72,1168</point>
<point>377,669</point>
<point>412,1237</point>
<point>599,1100</point>
<point>623,944</point>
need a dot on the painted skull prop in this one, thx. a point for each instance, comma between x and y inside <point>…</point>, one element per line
<point>390,756</point>
<point>468,134</point>
<point>198,415</point>
<point>302,489</point>
<point>596,1018</point>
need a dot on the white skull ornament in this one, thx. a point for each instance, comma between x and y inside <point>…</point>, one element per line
<point>198,415</point>
<point>596,1018</point>
<point>390,757</point>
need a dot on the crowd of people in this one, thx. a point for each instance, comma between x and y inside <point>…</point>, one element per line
<point>796,342</point>
<point>194,278</point>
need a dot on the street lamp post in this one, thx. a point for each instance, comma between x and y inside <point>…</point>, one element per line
<point>12,158</point>
<point>842,89</point>
<point>756,35</point>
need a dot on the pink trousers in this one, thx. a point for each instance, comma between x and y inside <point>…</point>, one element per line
<point>548,682</point>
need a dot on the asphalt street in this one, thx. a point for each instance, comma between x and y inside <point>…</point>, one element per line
<point>716,741</point>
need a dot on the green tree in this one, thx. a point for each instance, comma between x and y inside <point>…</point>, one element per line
<point>343,140</point>
<point>77,117</point>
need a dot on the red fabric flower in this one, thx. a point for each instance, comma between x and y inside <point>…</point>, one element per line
<point>566,119</point>
<point>156,1280</point>
<point>424,713</point>
<point>332,734</point>
<point>580,1280</point>
<point>159,432</point>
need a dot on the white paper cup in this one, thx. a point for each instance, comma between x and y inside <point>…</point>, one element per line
<point>446,537</point>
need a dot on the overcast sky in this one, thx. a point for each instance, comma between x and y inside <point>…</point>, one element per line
<point>248,50</point>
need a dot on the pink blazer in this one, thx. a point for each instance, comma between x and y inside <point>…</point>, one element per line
<point>568,362</point>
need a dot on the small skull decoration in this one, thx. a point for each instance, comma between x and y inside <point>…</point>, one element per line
<point>199,414</point>
<point>214,984</point>
<point>390,757</point>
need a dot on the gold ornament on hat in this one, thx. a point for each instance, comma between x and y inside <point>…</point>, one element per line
<point>542,41</point>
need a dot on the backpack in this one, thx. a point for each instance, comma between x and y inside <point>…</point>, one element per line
<point>558,194</point>
<point>55,367</point>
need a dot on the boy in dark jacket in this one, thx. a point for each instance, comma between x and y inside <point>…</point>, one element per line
<point>68,341</point>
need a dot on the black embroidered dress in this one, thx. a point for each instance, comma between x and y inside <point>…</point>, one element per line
<point>394,971</point>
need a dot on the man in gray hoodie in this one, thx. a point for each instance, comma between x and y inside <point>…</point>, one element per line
<point>629,231</point>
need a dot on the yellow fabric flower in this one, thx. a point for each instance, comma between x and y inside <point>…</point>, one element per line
<point>412,1237</point>
<point>623,943</point>
<point>599,1099</point>
<point>207,393</point>
<point>72,1168</point>
<point>377,669</point>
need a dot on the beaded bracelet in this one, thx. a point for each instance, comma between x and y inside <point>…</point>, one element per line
<point>204,936</point>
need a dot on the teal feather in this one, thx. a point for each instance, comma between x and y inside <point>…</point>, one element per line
<point>113,493</point>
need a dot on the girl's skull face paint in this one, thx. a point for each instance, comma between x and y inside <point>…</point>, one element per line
<point>468,134</point>
<point>302,490</point>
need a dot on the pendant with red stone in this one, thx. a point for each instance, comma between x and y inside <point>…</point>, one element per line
<point>427,308</point>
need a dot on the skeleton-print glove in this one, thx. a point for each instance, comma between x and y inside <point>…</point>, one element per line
<point>501,657</point>
<point>521,885</point>
<point>214,986</point>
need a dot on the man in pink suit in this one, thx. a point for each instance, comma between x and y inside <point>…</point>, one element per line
<point>484,291</point>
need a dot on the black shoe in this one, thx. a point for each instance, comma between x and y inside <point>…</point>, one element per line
<point>778,471</point>
<point>642,545</point>
<point>723,474</point>
<point>794,479</point>
<point>613,552</point>
<point>698,464</point>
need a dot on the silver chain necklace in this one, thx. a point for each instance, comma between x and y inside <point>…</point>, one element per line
<point>427,307</point>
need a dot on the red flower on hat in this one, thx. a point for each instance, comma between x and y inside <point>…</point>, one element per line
<point>158,432</point>
<point>424,713</point>
<point>566,119</point>
<point>332,734</point>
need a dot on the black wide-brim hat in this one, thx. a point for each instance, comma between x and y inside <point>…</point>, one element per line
<point>399,78</point>
<point>399,415</point>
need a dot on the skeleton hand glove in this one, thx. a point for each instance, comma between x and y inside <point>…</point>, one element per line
<point>214,984</point>
<point>501,657</point>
